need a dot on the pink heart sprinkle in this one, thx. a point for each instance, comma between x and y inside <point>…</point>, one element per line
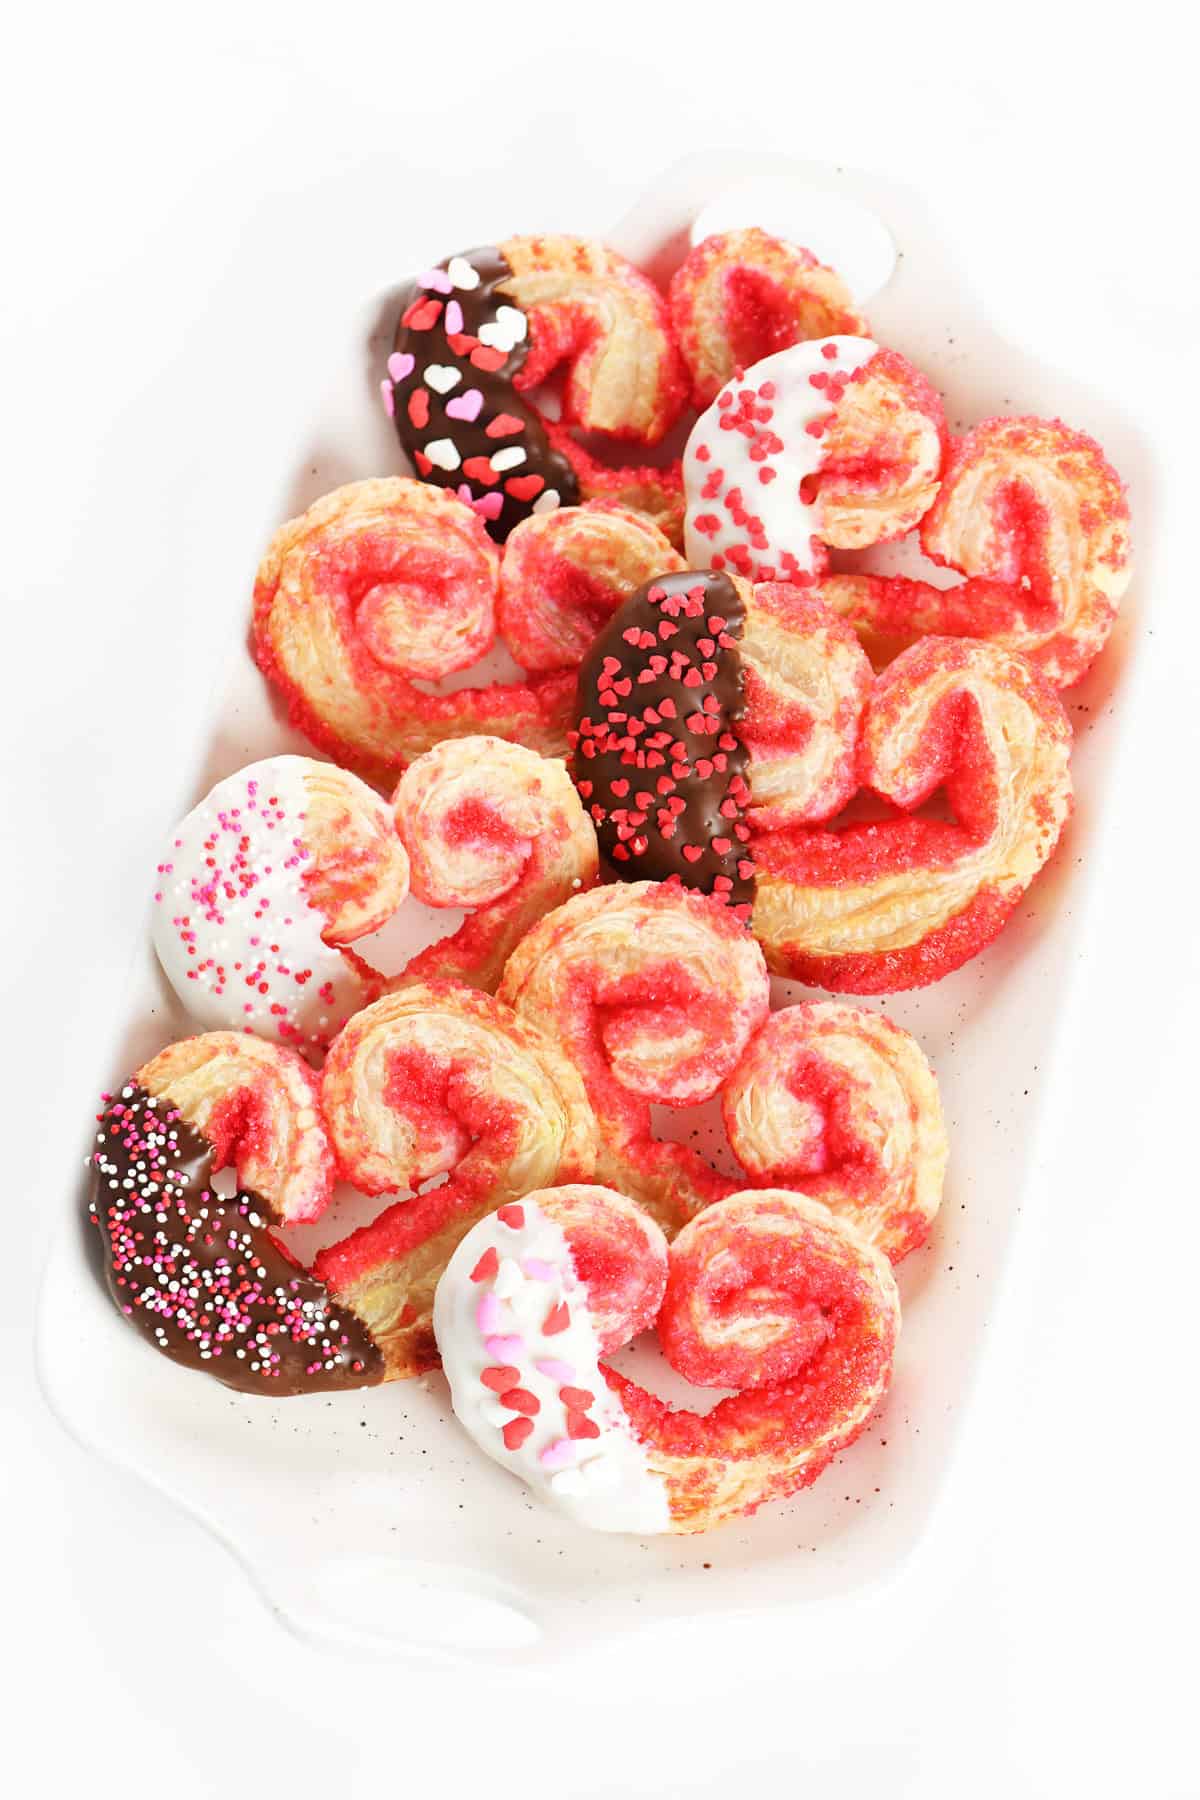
<point>537,1270</point>
<point>389,398</point>
<point>503,1349</point>
<point>554,1370</point>
<point>466,406</point>
<point>454,318</point>
<point>400,364</point>
<point>489,506</point>
<point>437,279</point>
<point>487,1314</point>
<point>558,1454</point>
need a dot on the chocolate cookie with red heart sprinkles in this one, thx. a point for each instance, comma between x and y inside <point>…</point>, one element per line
<point>657,755</point>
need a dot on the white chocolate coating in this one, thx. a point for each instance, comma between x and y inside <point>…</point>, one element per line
<point>603,1481</point>
<point>235,932</point>
<point>749,453</point>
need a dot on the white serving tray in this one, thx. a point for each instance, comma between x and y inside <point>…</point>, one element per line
<point>369,1519</point>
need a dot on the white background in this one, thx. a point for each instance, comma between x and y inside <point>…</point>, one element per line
<point>1049,1647</point>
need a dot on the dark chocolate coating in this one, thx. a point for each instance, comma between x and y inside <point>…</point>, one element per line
<point>240,1308</point>
<point>657,755</point>
<point>420,411</point>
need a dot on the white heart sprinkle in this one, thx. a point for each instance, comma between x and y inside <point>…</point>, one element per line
<point>441,378</point>
<point>443,454</point>
<point>509,1280</point>
<point>508,459</point>
<point>462,274</point>
<point>548,501</point>
<point>505,331</point>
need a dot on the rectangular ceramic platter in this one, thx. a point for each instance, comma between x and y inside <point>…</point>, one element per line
<point>370,1518</point>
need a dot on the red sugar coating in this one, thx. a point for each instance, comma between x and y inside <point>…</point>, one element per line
<point>473,821</point>
<point>421,1088</point>
<point>239,1127</point>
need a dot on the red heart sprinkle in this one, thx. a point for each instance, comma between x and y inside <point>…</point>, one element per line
<point>512,1216</point>
<point>423,463</point>
<point>500,1379</point>
<point>515,1433</point>
<point>461,342</point>
<point>580,1426</point>
<point>520,1400</point>
<point>487,1265</point>
<point>478,468</point>
<point>524,487</point>
<point>578,1399</point>
<point>418,408</point>
<point>558,1318</point>
<point>693,852</point>
<point>504,425</point>
<point>422,314</point>
<point>488,360</point>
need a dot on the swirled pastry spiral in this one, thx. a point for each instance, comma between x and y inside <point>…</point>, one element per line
<point>842,1104</point>
<point>565,573</point>
<point>437,1079</point>
<point>378,587</point>
<point>652,992</point>
<point>495,829</point>
<point>875,907</point>
<point>742,295</point>
<point>767,1293</point>
<point>259,1107</point>
<point>1037,521</point>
